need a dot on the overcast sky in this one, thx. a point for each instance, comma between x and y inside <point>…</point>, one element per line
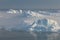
<point>30,4</point>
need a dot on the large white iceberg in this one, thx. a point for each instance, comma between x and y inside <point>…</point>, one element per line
<point>27,20</point>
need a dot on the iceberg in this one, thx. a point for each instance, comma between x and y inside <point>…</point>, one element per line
<point>29,20</point>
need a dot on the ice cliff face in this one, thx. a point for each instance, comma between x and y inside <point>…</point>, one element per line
<point>28,20</point>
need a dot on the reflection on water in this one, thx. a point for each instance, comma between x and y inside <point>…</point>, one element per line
<point>5,35</point>
<point>47,36</point>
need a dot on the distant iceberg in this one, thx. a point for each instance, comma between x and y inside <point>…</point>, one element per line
<point>29,20</point>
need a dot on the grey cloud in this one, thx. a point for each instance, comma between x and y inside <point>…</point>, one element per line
<point>29,4</point>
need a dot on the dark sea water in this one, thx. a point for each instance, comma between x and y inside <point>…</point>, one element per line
<point>5,35</point>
